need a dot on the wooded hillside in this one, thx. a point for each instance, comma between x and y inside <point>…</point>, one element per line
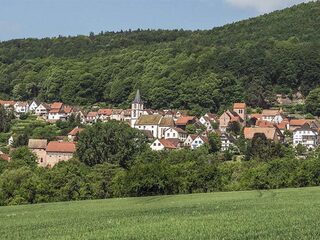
<point>200,70</point>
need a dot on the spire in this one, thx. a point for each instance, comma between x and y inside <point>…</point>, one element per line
<point>137,99</point>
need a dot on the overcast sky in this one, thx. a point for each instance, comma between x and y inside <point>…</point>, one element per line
<point>48,18</point>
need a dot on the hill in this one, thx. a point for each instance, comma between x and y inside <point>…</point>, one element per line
<point>200,70</point>
<point>276,214</point>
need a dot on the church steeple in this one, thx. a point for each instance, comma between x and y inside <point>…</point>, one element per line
<point>136,108</point>
<point>137,99</point>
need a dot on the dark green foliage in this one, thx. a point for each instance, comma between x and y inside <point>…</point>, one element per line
<point>112,142</point>
<point>234,128</point>
<point>214,142</point>
<point>313,102</point>
<point>199,70</point>
<point>5,119</point>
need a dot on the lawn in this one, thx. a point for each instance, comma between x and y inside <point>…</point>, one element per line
<point>276,214</point>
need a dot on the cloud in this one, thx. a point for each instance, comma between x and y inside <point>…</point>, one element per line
<point>264,6</point>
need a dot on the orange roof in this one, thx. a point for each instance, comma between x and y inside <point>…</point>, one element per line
<point>75,131</point>
<point>61,147</point>
<point>3,102</point>
<point>105,111</point>
<point>239,106</point>
<point>262,123</point>
<point>271,112</point>
<point>56,105</point>
<point>184,120</point>
<point>92,114</point>
<point>67,109</point>
<point>55,110</point>
<point>282,125</point>
<point>269,132</point>
<point>4,157</point>
<point>167,143</point>
<point>298,122</point>
<point>256,116</point>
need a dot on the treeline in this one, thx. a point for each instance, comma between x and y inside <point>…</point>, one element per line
<point>114,160</point>
<point>197,70</point>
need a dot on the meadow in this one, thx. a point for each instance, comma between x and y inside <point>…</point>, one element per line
<point>273,214</point>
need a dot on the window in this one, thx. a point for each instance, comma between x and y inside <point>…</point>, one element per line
<point>174,134</point>
<point>168,134</point>
<point>159,144</point>
<point>154,144</point>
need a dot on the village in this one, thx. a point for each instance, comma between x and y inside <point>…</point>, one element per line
<point>167,129</point>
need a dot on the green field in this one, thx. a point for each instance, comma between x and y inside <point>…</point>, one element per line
<point>276,214</point>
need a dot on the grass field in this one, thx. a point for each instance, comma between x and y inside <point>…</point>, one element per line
<point>276,214</point>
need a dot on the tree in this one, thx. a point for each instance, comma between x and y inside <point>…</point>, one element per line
<point>191,129</point>
<point>234,128</point>
<point>313,102</point>
<point>23,157</point>
<point>112,142</point>
<point>214,142</point>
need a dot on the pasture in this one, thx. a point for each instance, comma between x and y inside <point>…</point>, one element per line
<point>274,214</point>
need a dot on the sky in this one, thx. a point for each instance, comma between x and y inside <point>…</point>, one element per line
<point>49,18</point>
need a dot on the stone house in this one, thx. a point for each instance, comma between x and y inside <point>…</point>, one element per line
<point>38,147</point>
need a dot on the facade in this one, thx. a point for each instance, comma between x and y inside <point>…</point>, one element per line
<point>21,107</point>
<point>174,132</point>
<point>59,151</point>
<point>306,136</point>
<point>56,112</point>
<point>241,110</point>
<point>104,114</point>
<point>274,116</point>
<point>165,144</point>
<point>33,106</point>
<point>38,147</point>
<point>42,109</point>
<point>92,117</point>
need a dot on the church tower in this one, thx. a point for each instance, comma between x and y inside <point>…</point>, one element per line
<point>136,108</point>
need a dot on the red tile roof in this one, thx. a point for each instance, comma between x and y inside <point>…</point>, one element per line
<point>11,103</point>
<point>56,105</point>
<point>61,147</point>
<point>167,143</point>
<point>298,122</point>
<point>75,131</point>
<point>239,106</point>
<point>92,114</point>
<point>184,120</point>
<point>105,111</point>
<point>4,157</point>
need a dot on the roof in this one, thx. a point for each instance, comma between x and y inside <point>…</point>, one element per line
<point>62,147</point>
<point>37,143</point>
<point>305,127</point>
<point>75,131</point>
<point>67,109</point>
<point>56,105</point>
<point>92,114</point>
<point>262,123</point>
<point>239,106</point>
<point>21,104</point>
<point>148,134</point>
<point>167,121</point>
<point>127,112</point>
<point>4,157</point>
<point>271,112</point>
<point>149,120</point>
<point>256,115</point>
<point>269,132</point>
<point>282,125</point>
<point>184,120</point>
<point>179,130</point>
<point>117,111</point>
<point>167,143</point>
<point>137,98</point>
<point>45,105</point>
<point>54,110</point>
<point>4,102</point>
<point>105,111</point>
<point>298,122</point>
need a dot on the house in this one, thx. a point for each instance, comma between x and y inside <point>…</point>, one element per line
<point>38,147</point>
<point>271,133</point>
<point>165,144</point>
<point>173,132</point>
<point>157,124</point>
<point>4,157</point>
<point>7,104</point>
<point>205,121</point>
<point>92,117</point>
<point>104,114</point>
<point>72,135</point>
<point>42,109</point>
<point>59,151</point>
<point>306,136</point>
<point>183,121</point>
<point>33,106</point>
<point>226,141</point>
<point>10,141</point>
<point>126,114</point>
<point>117,114</point>
<point>226,118</point>
<point>56,112</point>
<point>194,141</point>
<point>21,107</point>
<point>274,116</point>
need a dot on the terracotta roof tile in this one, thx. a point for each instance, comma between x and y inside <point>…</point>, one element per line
<point>239,106</point>
<point>184,120</point>
<point>62,147</point>
<point>75,131</point>
<point>105,111</point>
<point>37,143</point>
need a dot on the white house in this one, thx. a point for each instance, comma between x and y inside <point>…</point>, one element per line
<point>174,132</point>
<point>226,141</point>
<point>104,114</point>
<point>56,112</point>
<point>164,144</point>
<point>306,136</point>
<point>194,141</point>
<point>21,107</point>
<point>42,109</point>
<point>205,121</point>
<point>157,124</point>
<point>274,116</point>
<point>92,117</point>
<point>33,106</point>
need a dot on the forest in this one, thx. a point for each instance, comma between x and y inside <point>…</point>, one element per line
<point>205,70</point>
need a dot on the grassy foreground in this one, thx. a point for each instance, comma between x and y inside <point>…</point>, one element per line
<point>276,214</point>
